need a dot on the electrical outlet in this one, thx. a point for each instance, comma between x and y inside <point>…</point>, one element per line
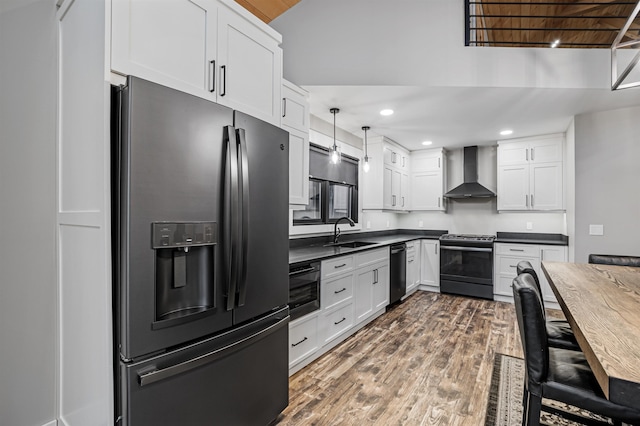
<point>368,224</point>
<point>420,224</point>
<point>596,229</point>
<point>529,226</point>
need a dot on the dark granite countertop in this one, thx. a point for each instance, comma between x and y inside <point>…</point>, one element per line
<point>532,238</point>
<point>314,248</point>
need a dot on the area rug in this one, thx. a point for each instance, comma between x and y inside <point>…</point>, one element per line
<point>504,407</point>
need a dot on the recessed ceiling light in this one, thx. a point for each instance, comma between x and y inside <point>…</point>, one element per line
<point>506,132</point>
<point>427,143</point>
<point>386,112</point>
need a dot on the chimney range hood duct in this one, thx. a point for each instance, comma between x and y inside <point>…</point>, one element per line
<point>470,188</point>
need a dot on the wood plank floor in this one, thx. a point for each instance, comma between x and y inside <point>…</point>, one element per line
<point>426,362</point>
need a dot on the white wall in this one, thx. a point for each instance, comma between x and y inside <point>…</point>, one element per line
<point>607,149</point>
<point>27,213</point>
<point>418,42</point>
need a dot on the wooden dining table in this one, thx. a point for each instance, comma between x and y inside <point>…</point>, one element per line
<point>602,305</point>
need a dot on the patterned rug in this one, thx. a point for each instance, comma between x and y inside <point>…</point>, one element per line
<point>505,397</point>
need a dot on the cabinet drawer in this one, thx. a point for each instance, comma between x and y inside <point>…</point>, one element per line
<point>339,265</point>
<point>303,339</point>
<point>507,265</point>
<point>524,250</point>
<point>336,290</point>
<point>372,256</point>
<point>338,322</point>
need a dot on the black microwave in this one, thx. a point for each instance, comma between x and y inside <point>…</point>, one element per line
<point>304,289</point>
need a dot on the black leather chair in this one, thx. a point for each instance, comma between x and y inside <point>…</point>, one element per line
<point>612,259</point>
<point>555,373</point>
<point>558,331</point>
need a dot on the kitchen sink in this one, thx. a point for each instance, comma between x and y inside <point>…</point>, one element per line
<point>351,244</point>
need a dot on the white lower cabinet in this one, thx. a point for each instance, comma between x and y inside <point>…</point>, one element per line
<point>354,290</point>
<point>303,338</point>
<point>506,258</point>
<point>430,264</point>
<point>413,266</point>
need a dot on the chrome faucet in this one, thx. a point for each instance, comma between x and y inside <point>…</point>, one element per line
<point>336,230</point>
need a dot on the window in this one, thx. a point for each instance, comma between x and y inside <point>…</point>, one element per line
<point>333,189</point>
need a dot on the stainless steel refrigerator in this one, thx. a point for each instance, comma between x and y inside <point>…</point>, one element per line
<point>200,207</point>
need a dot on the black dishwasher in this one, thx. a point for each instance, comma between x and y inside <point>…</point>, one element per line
<point>398,272</point>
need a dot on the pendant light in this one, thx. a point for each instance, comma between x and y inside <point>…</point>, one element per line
<point>365,166</point>
<point>335,155</point>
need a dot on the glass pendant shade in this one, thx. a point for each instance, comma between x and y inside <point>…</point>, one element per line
<point>365,164</point>
<point>335,155</point>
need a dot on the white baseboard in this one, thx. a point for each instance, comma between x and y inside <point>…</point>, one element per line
<point>51,423</point>
<point>432,289</point>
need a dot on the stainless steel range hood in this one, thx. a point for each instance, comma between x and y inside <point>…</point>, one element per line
<point>470,188</point>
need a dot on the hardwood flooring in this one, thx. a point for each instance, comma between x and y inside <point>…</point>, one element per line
<point>426,362</point>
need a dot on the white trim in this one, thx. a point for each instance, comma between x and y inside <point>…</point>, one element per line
<point>51,423</point>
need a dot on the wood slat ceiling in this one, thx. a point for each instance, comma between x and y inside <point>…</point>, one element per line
<point>538,23</point>
<point>267,10</point>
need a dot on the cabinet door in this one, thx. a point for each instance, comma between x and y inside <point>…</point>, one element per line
<point>513,187</point>
<point>546,186</point>
<point>396,182</point>
<point>364,294</point>
<point>298,167</point>
<point>546,150</point>
<point>390,156</point>
<point>249,67</point>
<point>412,261</point>
<point>430,263</point>
<point>295,108</point>
<point>550,254</point>
<point>426,162</point>
<point>404,192</point>
<point>426,191</point>
<point>170,42</point>
<point>381,287</point>
<point>387,188</point>
<point>513,153</point>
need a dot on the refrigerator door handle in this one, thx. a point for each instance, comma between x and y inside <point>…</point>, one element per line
<point>231,243</point>
<point>154,376</point>
<point>243,165</point>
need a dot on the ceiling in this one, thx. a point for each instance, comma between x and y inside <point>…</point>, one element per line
<point>450,117</point>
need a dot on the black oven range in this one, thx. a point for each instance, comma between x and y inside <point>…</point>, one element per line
<point>466,265</point>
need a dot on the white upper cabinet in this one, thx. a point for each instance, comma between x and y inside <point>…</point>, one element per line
<point>427,180</point>
<point>250,67</point>
<point>389,171</point>
<point>295,120</point>
<point>210,48</point>
<point>530,173</point>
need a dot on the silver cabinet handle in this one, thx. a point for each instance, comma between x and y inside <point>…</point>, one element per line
<point>527,153</point>
<point>526,200</point>
<point>438,201</point>
<point>340,291</point>
<point>516,249</point>
<point>410,260</point>
<point>531,200</point>
<point>393,202</point>
<point>533,150</point>
<point>438,162</point>
<point>394,157</point>
<point>402,201</point>
<point>284,107</point>
<point>512,266</point>
<point>340,266</point>
<point>293,345</point>
<point>436,249</point>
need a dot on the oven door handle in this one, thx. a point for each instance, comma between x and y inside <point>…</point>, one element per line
<point>302,271</point>
<point>485,250</point>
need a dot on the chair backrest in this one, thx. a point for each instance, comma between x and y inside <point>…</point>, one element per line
<point>533,332</point>
<point>612,259</point>
<point>525,267</point>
